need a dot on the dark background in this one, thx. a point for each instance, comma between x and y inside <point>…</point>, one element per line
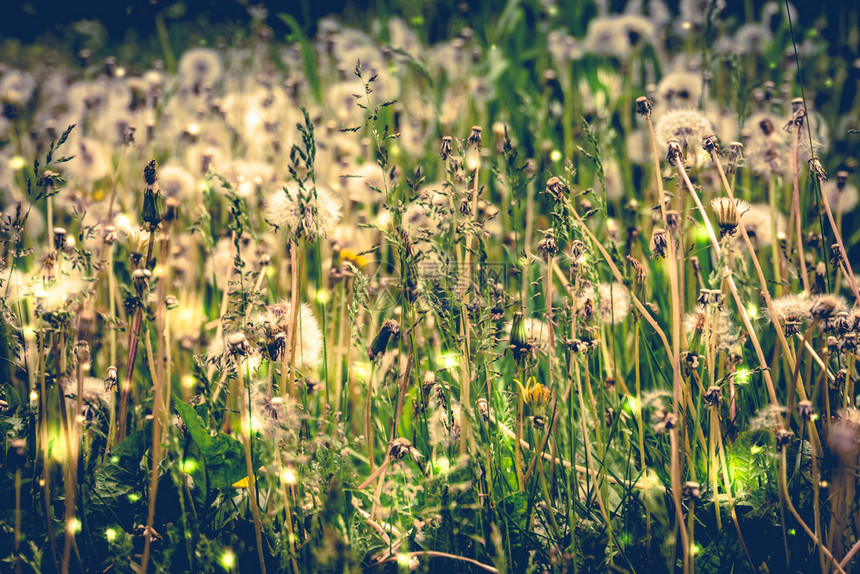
<point>31,20</point>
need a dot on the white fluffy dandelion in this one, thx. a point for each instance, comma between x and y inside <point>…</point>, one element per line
<point>304,213</point>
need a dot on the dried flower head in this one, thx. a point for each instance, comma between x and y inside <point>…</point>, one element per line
<point>313,214</point>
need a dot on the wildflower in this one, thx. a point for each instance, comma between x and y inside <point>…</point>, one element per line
<point>313,214</point>
<point>274,321</point>
<point>612,301</point>
<point>680,90</point>
<point>841,195</point>
<point>200,68</point>
<point>843,439</point>
<point>826,306</point>
<point>176,182</point>
<point>759,221</point>
<point>535,395</point>
<point>789,311</point>
<point>686,126</point>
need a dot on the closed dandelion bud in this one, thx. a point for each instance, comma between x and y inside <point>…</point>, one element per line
<point>475,137</point>
<point>691,490</point>
<point>237,344</point>
<point>380,342</point>
<point>59,238</point>
<point>713,396</point>
<point>110,379</point>
<point>151,212</point>
<point>704,297</point>
<point>171,302</point>
<point>783,438</point>
<point>140,278</point>
<point>805,410</point>
<point>519,341</point>
<point>445,149</point>
<point>644,106</point>
<point>726,211</point>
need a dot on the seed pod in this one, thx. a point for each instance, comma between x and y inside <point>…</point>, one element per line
<point>237,344</point>
<point>445,149</point>
<point>644,106</point>
<point>475,137</point>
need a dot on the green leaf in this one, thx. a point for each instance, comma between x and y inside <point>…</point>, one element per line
<point>222,455</point>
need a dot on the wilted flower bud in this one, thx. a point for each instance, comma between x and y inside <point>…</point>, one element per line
<point>783,437</point>
<point>713,396</point>
<point>445,148</point>
<point>171,302</point>
<point>400,447</point>
<point>659,243</point>
<point>673,151</point>
<point>667,423</point>
<point>726,211</point>
<point>643,106</point>
<point>237,344</point>
<point>110,234</point>
<point>18,454</point>
<point>82,353</point>
<point>690,490</point>
<point>475,137</point>
<point>59,238</point>
<point>805,410</point>
<point>710,144</point>
<point>547,247</point>
<point>110,379</point>
<point>141,278</point>
<point>555,187</point>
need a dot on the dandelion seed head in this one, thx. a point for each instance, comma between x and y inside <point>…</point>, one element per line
<point>304,213</point>
<point>200,67</point>
<point>685,125</point>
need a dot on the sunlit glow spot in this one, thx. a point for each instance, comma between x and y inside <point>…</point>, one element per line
<point>686,25</point>
<point>114,460</point>
<point>441,465</point>
<point>110,534</point>
<point>193,129</point>
<point>633,405</point>
<point>702,235</point>
<point>34,396</point>
<point>133,497</point>
<point>322,297</point>
<point>80,419</point>
<point>288,476</point>
<point>189,466</point>
<point>792,531</point>
<point>755,449</point>
<point>403,560</point>
<point>189,382</point>
<point>695,549</point>
<point>743,376</point>
<point>361,369</point>
<point>823,484</point>
<point>228,559</point>
<point>450,360</point>
<point>73,526</point>
<point>120,72</point>
<point>752,311</point>
<point>17,163</point>
<point>814,417</point>
<point>555,156</point>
